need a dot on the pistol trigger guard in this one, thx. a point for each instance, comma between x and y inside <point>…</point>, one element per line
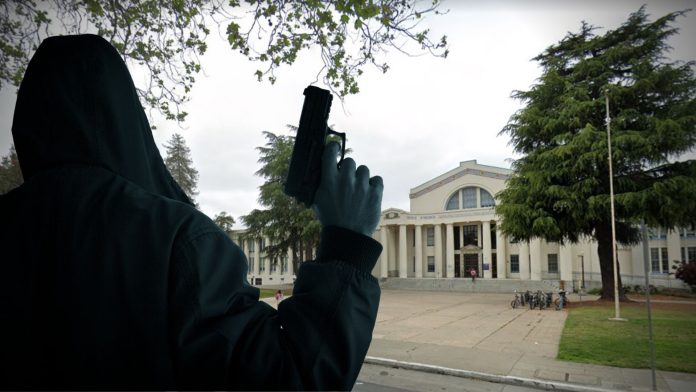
<point>342,135</point>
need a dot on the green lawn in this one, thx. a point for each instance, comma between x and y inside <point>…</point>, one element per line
<point>589,336</point>
<point>268,293</point>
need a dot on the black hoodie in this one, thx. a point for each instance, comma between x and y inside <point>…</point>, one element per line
<point>110,278</point>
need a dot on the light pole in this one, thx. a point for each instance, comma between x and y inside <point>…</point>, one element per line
<point>617,312</point>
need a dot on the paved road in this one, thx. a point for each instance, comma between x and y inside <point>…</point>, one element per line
<point>482,333</point>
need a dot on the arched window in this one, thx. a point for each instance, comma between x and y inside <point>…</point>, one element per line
<point>486,199</point>
<point>470,197</point>
<point>453,202</point>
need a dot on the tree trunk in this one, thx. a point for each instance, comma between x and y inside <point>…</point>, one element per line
<point>606,264</point>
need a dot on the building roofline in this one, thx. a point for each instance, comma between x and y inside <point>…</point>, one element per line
<point>464,168</point>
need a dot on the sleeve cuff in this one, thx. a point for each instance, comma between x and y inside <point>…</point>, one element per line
<point>349,247</point>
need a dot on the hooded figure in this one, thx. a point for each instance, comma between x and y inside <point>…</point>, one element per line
<point>110,278</point>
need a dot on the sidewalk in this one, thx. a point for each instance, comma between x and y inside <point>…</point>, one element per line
<point>481,334</point>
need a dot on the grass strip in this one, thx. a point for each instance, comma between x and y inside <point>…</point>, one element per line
<point>590,337</point>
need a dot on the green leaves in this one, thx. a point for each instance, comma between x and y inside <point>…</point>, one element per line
<point>168,37</point>
<point>224,221</point>
<point>560,189</point>
<point>180,166</point>
<point>281,30</point>
<point>284,221</point>
<point>10,172</point>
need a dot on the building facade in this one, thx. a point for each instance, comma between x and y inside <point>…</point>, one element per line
<point>451,229</point>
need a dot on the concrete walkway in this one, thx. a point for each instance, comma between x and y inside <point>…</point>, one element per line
<point>481,334</point>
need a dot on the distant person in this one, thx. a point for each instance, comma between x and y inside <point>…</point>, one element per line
<point>278,297</point>
<point>111,279</point>
<point>472,272</point>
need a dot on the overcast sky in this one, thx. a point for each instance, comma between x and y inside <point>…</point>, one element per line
<point>409,125</point>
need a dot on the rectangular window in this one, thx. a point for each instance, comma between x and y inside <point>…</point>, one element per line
<point>284,265</point>
<point>471,235</point>
<point>655,259</point>
<point>514,264</point>
<point>657,233</point>
<point>430,236</point>
<point>262,246</point>
<point>262,264</point>
<point>431,263</point>
<point>690,232</point>
<point>683,254</point>
<point>494,237</point>
<point>274,266</point>
<point>251,246</point>
<point>665,261</point>
<point>469,197</point>
<point>691,254</point>
<point>553,263</point>
<point>251,264</point>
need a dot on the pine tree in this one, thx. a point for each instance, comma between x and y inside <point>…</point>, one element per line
<point>560,187</point>
<point>10,172</point>
<point>287,223</point>
<point>224,221</point>
<point>180,166</point>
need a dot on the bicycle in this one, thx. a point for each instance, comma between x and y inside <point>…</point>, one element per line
<point>518,301</point>
<point>526,297</point>
<point>561,301</point>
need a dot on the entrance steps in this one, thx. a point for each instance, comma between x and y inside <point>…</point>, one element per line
<point>466,285</point>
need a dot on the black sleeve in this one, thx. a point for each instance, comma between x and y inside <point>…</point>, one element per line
<point>223,337</point>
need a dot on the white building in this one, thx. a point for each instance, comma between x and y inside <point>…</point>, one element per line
<point>451,229</point>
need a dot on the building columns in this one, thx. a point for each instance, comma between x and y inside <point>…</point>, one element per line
<point>438,251</point>
<point>673,249</point>
<point>487,252</point>
<point>501,255</point>
<point>291,270</point>
<point>449,243</point>
<point>535,258</point>
<point>566,265</point>
<point>419,251</point>
<point>403,260</point>
<point>384,258</point>
<point>257,257</point>
<point>524,260</point>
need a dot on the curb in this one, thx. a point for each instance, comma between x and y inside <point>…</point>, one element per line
<point>511,380</point>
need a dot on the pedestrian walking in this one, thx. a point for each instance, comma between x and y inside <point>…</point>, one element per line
<point>473,274</point>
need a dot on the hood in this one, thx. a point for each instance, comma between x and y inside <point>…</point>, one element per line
<point>77,104</point>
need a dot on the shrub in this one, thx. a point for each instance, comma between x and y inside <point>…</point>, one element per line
<point>686,272</point>
<point>595,291</point>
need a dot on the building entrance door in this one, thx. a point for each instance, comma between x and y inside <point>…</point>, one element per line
<point>471,261</point>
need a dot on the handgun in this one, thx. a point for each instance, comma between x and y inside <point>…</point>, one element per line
<point>304,173</point>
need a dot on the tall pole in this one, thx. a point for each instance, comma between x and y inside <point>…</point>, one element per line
<point>646,270</point>
<point>617,315</point>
